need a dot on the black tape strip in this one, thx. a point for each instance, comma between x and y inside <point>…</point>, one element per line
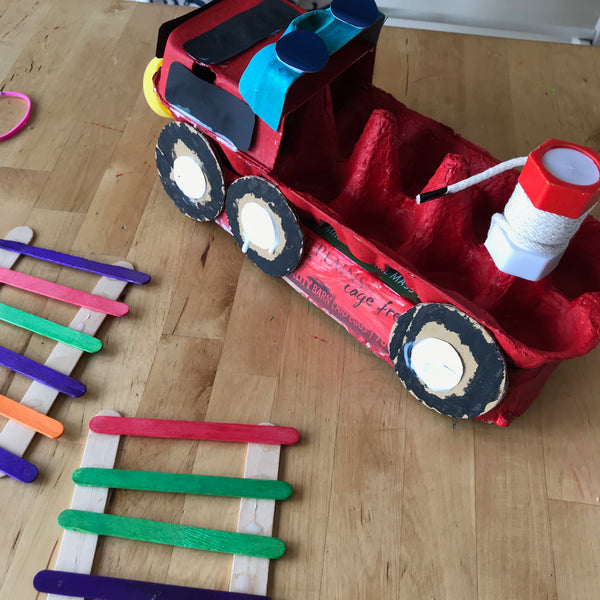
<point>168,27</point>
<point>240,32</point>
<point>211,107</point>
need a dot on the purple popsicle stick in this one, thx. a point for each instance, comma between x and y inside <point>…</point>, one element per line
<point>95,587</point>
<point>76,262</point>
<point>41,373</point>
<point>16,467</point>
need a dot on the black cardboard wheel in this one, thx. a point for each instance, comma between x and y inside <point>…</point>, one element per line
<point>264,225</point>
<point>481,383</point>
<point>190,171</point>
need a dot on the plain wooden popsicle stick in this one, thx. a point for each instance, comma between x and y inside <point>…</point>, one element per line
<point>171,534</point>
<point>49,329</point>
<point>16,467</point>
<point>250,575</point>
<point>77,550</point>
<point>195,430</point>
<point>63,293</point>
<point>22,236</point>
<point>183,483</point>
<point>41,373</point>
<point>76,262</point>
<point>15,437</point>
<point>95,587</point>
<point>30,418</point>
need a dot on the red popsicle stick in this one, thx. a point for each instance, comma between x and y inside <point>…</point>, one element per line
<point>63,293</point>
<point>195,430</point>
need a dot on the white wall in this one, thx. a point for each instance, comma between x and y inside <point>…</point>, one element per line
<point>554,20</point>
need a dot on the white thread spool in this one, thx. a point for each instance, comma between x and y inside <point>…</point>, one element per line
<point>557,189</point>
<point>528,242</point>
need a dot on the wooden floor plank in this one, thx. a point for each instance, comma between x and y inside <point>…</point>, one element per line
<point>309,390</point>
<point>361,529</point>
<point>213,263</point>
<point>576,549</point>
<point>439,524</point>
<point>572,434</point>
<point>514,552</point>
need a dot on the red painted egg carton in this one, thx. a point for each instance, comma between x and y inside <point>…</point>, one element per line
<point>327,200</point>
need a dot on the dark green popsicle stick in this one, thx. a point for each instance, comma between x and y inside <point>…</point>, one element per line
<point>49,329</point>
<point>183,483</point>
<point>171,534</point>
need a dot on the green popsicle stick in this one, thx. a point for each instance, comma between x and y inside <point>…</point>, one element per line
<point>183,483</point>
<point>171,534</point>
<point>49,329</point>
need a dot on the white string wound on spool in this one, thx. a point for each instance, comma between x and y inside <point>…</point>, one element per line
<point>534,229</point>
<point>557,189</point>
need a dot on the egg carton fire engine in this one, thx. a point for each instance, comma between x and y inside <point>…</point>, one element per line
<point>278,135</point>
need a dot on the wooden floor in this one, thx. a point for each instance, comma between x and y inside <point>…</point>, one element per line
<point>390,499</point>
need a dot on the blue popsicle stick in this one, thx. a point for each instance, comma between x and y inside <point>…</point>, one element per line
<point>16,467</point>
<point>76,262</point>
<point>95,587</point>
<point>41,373</point>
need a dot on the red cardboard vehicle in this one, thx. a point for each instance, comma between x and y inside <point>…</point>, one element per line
<point>281,138</point>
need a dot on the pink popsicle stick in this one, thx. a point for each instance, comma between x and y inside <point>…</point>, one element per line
<point>195,430</point>
<point>63,293</point>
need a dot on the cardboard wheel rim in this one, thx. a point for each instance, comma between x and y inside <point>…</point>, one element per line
<point>483,382</point>
<point>264,225</point>
<point>190,171</point>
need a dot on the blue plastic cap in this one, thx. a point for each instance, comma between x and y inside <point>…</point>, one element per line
<point>358,13</point>
<point>302,50</point>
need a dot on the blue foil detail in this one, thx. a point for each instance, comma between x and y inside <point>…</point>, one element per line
<point>265,83</point>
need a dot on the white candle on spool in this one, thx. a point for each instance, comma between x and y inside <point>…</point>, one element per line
<point>571,166</point>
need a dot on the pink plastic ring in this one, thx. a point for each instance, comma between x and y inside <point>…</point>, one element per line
<point>24,120</point>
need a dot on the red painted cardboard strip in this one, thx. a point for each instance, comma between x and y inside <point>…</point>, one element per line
<point>63,293</point>
<point>195,430</point>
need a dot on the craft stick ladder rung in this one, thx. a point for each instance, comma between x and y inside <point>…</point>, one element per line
<point>251,545</point>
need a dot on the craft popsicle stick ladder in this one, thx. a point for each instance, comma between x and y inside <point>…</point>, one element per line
<point>252,544</point>
<point>29,415</point>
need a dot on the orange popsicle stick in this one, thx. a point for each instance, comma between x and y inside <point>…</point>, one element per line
<point>15,411</point>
